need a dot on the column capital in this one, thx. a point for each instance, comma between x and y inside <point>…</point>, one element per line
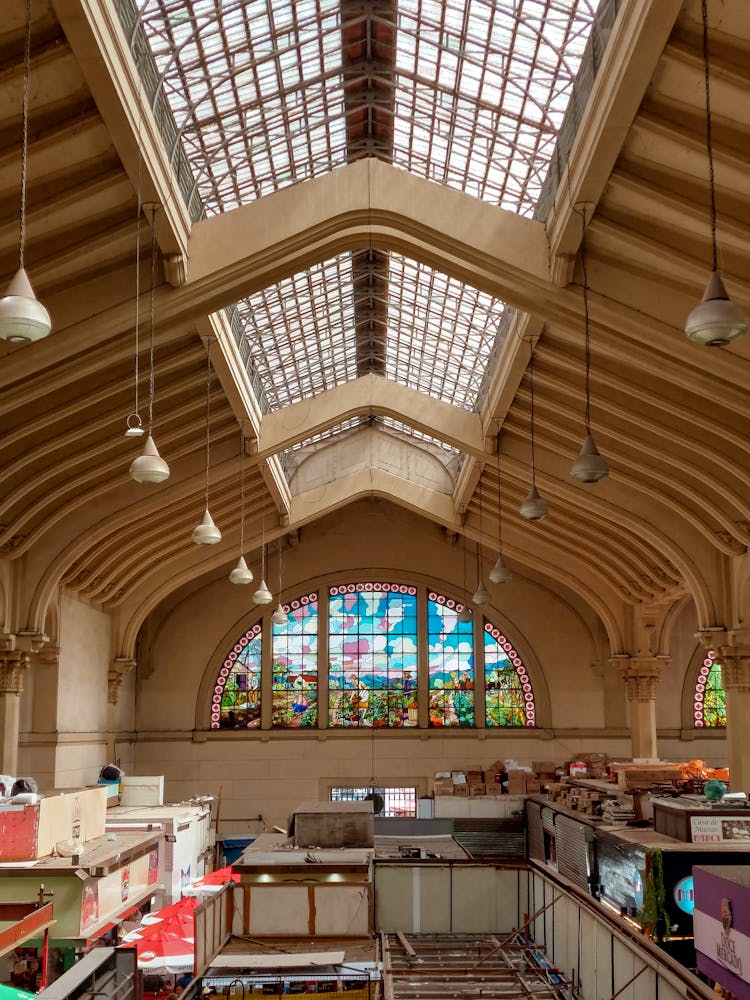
<point>13,665</point>
<point>121,665</point>
<point>641,674</point>
<point>735,667</point>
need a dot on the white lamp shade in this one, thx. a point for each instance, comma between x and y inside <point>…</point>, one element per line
<point>262,595</point>
<point>533,508</point>
<point>149,466</point>
<point>481,595</point>
<point>241,574</point>
<point>22,317</point>
<point>279,616</point>
<point>589,467</point>
<point>716,320</point>
<point>206,533</point>
<point>500,572</point>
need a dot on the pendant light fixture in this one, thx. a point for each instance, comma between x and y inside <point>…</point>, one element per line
<point>464,615</point>
<point>206,533</point>
<point>23,318</point>
<point>241,575</point>
<point>149,466</point>
<point>499,572</point>
<point>481,595</point>
<point>263,595</point>
<point>534,507</point>
<point>716,321</point>
<point>279,616</point>
<point>134,424</point>
<point>589,467</point>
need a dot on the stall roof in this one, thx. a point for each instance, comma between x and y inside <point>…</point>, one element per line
<point>99,856</point>
<point>250,961</point>
<point>442,847</point>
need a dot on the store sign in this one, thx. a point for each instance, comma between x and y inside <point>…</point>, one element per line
<point>726,947</point>
<point>717,829</point>
<point>684,894</point>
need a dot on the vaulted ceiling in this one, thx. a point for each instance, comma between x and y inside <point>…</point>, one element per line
<point>373,213</point>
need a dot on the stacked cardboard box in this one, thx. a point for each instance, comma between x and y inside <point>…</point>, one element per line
<point>630,776</point>
<point>595,763</point>
<point>443,783</point>
<point>582,800</point>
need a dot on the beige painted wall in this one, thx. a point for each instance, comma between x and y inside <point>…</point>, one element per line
<point>267,774</point>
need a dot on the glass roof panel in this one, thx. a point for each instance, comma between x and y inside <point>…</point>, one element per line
<point>440,332</point>
<point>302,336</point>
<point>260,91</point>
<point>481,90</point>
<point>301,332</point>
<point>256,90</point>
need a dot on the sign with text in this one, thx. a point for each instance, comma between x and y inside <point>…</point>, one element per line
<point>718,829</point>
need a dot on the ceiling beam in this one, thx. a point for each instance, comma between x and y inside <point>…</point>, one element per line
<point>370,395</point>
<point>98,41</point>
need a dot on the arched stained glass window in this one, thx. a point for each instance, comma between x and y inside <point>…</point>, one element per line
<point>709,699</point>
<point>508,692</point>
<point>294,658</point>
<point>372,649</point>
<point>450,644</point>
<point>235,703</point>
<point>375,662</point>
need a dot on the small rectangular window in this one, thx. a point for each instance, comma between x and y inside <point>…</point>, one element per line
<point>396,801</point>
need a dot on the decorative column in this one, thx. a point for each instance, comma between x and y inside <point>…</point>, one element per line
<point>732,649</point>
<point>121,666</point>
<point>641,675</point>
<point>13,665</point>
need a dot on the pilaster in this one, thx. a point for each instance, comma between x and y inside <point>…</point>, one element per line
<point>641,675</point>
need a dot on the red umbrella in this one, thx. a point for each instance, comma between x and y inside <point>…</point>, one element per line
<point>219,877</point>
<point>168,946</point>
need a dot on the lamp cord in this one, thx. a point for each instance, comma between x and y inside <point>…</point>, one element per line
<point>499,498</point>
<point>586,332</point>
<point>481,539</point>
<point>709,142</point>
<point>208,416</point>
<point>151,323</point>
<point>533,448</point>
<point>25,133</point>
<point>242,492</point>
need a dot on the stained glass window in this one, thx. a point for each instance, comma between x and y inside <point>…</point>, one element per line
<point>709,702</point>
<point>372,677</point>
<point>508,693</point>
<point>235,703</point>
<point>294,660</point>
<point>450,643</point>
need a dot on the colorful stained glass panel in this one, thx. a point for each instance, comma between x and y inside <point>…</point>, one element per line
<point>709,702</point>
<point>451,663</point>
<point>508,693</point>
<point>372,649</point>
<point>235,703</point>
<point>294,658</point>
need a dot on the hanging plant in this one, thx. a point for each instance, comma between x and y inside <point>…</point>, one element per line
<point>654,916</point>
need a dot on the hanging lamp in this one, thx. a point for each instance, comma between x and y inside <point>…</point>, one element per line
<point>590,466</point>
<point>279,616</point>
<point>149,466</point>
<point>23,318</point>
<point>206,533</point>
<point>716,321</point>
<point>133,423</point>
<point>241,575</point>
<point>262,595</point>
<point>481,595</point>
<point>499,572</point>
<point>534,507</point>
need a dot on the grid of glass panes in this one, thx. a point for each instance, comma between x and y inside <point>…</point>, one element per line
<point>256,90</point>
<point>481,90</point>
<point>709,702</point>
<point>450,644</point>
<point>294,665</point>
<point>509,698</point>
<point>302,332</point>
<point>235,702</point>
<point>372,650</point>
<point>440,332</point>
<point>397,801</point>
